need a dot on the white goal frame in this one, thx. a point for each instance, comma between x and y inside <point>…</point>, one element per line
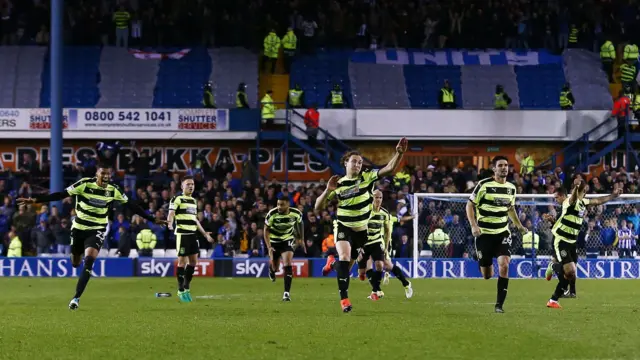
<point>416,214</point>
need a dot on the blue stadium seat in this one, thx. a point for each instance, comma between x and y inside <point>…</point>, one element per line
<point>318,74</point>
<point>540,86</point>
<point>80,78</point>
<point>179,83</point>
<point>424,83</point>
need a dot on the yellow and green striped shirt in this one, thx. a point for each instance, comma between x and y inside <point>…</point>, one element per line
<point>354,199</point>
<point>93,203</point>
<point>121,18</point>
<point>492,201</point>
<point>186,211</point>
<point>378,222</point>
<point>281,226</point>
<point>568,225</point>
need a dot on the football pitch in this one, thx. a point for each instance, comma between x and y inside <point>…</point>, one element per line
<point>246,319</point>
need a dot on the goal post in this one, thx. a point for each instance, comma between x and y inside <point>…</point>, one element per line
<point>446,212</point>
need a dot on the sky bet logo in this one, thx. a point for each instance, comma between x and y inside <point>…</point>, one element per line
<point>154,267</point>
<point>260,268</point>
<point>167,267</point>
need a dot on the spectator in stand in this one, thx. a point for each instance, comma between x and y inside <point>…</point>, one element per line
<point>62,235</point>
<point>124,245</point>
<point>15,245</point>
<point>257,245</point>
<point>41,236</point>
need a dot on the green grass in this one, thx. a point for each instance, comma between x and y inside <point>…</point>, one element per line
<point>246,319</point>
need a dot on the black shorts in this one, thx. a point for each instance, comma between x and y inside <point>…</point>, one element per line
<point>84,239</point>
<point>280,247</point>
<point>490,246</point>
<point>356,239</point>
<point>187,244</point>
<point>565,252</point>
<point>373,251</point>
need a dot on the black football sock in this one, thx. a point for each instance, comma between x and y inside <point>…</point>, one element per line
<point>503,285</point>
<point>376,277</point>
<point>180,276</point>
<point>400,275</point>
<point>558,269</point>
<point>288,278</point>
<point>188,275</point>
<point>84,276</point>
<point>572,286</point>
<point>343,279</point>
<point>560,288</point>
<point>369,275</point>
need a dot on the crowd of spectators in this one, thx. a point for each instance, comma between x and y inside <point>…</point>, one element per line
<point>331,23</point>
<point>233,209</point>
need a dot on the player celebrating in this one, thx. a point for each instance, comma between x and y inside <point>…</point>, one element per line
<point>279,226</point>
<point>376,251</point>
<point>493,200</point>
<point>565,233</point>
<point>184,209</point>
<point>354,209</point>
<point>93,198</point>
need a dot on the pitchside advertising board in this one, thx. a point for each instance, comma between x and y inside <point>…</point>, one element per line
<point>59,267</point>
<point>259,268</point>
<point>167,267</point>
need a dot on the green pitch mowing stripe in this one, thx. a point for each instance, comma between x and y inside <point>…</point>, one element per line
<point>246,319</point>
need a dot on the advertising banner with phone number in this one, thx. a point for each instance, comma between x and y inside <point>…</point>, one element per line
<point>204,120</point>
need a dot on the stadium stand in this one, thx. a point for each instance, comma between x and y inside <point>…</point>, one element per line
<point>317,74</point>
<point>236,218</point>
<point>480,82</point>
<point>179,82</point>
<point>118,70</point>
<point>81,76</point>
<point>424,83</point>
<point>591,91</point>
<point>375,86</point>
<point>230,67</point>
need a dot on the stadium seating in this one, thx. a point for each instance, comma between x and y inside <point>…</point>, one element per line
<point>424,83</point>
<point>589,82</point>
<point>378,86</point>
<point>540,86</point>
<point>118,69</point>
<point>179,82</point>
<point>230,67</point>
<point>9,58</point>
<point>111,77</point>
<point>81,75</point>
<point>318,74</point>
<point>479,84</point>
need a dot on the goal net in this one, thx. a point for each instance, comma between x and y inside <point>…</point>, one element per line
<point>444,247</point>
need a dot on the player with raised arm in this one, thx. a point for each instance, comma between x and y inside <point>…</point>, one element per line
<point>565,234</point>
<point>184,210</point>
<point>93,201</point>
<point>354,209</point>
<point>376,250</point>
<point>489,209</point>
<point>279,227</point>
